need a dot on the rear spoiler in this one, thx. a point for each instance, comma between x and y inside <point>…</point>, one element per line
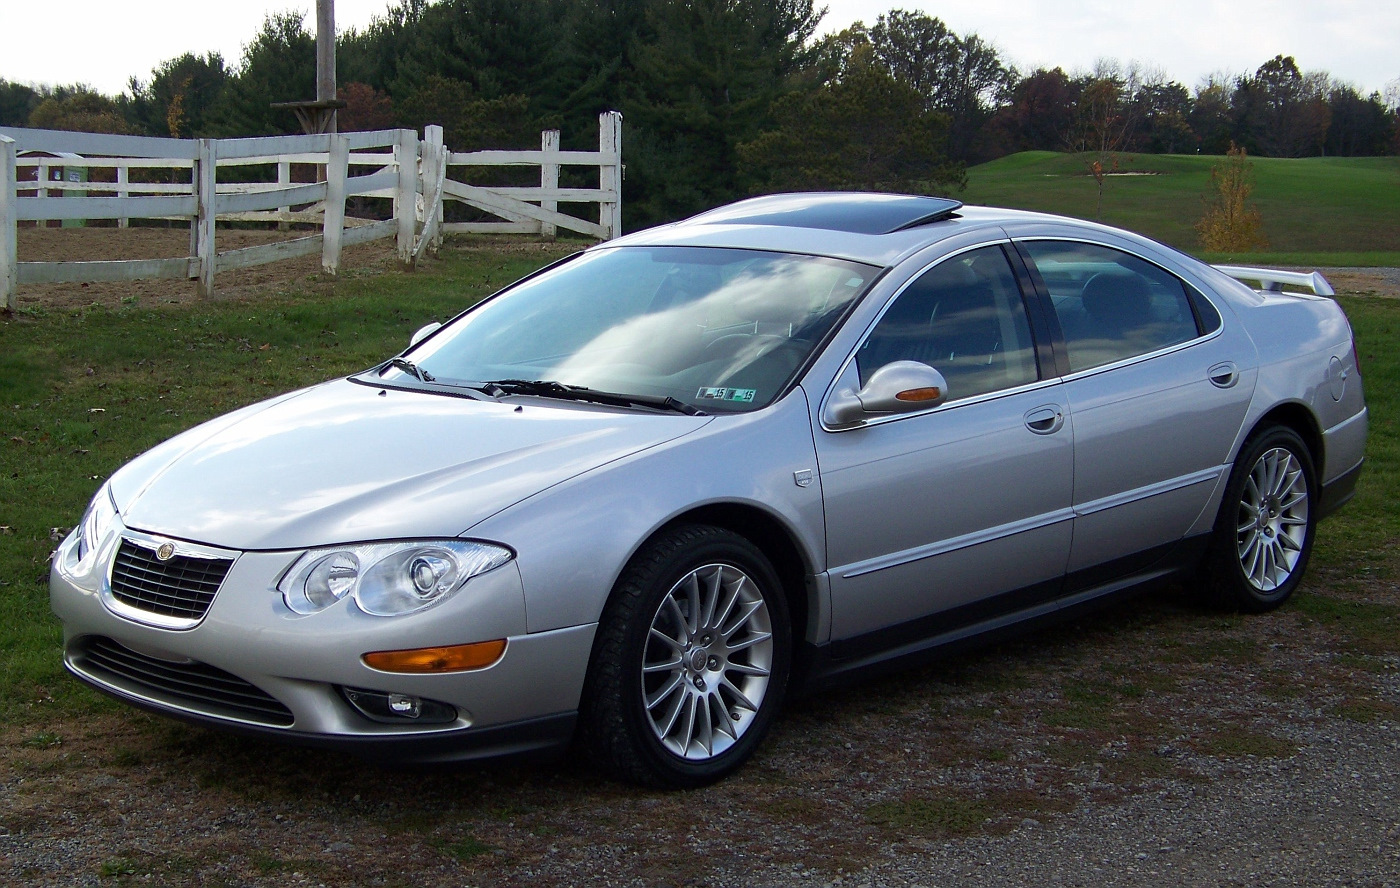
<point>1273,279</point>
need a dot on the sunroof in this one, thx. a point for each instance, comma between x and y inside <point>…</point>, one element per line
<point>853,212</point>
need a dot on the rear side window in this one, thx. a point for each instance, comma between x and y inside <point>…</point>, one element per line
<point>1112,305</point>
<point>965,318</point>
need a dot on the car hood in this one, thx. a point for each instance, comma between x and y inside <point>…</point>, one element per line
<point>345,462</point>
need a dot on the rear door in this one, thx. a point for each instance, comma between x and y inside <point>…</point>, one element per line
<point>1158,388</point>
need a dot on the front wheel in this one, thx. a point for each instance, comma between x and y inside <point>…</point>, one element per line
<point>691,660</point>
<point>1264,534</point>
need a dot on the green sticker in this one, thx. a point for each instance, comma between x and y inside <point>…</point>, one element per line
<point>744,396</point>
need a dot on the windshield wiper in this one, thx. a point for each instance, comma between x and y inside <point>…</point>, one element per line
<point>408,367</point>
<point>549,388</point>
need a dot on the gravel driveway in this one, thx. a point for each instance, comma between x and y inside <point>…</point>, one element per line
<point>1151,742</point>
<point>1329,815</point>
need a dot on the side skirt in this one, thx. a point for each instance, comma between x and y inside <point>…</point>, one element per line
<point>1005,616</point>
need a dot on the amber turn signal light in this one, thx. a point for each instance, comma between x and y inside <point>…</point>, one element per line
<point>931,393</point>
<point>456,658</point>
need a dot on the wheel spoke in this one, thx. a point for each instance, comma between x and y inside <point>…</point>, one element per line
<point>726,724</point>
<point>756,638</point>
<point>713,587</point>
<point>692,591</point>
<point>1251,496</point>
<point>1287,475</point>
<point>673,716</point>
<point>677,614</point>
<point>730,600</point>
<point>1255,557</point>
<point>738,624</point>
<point>746,669</point>
<point>688,726</point>
<point>667,640</point>
<point>704,728</point>
<point>739,696</point>
<point>669,688</point>
<point>662,667</point>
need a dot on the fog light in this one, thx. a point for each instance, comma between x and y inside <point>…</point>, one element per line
<point>397,709</point>
<point>408,707</point>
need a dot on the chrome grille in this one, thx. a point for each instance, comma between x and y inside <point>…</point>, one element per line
<point>182,586</point>
<point>189,685</point>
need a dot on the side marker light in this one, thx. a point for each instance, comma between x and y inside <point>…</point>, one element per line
<point>455,658</point>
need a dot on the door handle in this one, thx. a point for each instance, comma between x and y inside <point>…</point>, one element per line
<point>1045,420</point>
<point>1224,374</point>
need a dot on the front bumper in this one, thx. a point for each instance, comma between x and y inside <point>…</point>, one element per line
<point>533,737</point>
<point>250,645</point>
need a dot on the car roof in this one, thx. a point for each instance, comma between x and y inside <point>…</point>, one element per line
<point>877,229</point>
<point>855,213</point>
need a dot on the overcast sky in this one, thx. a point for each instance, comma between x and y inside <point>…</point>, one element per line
<point>104,43</point>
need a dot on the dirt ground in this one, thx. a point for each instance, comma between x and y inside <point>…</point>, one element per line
<point>90,244</point>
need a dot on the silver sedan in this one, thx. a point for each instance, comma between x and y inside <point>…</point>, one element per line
<point>641,497</point>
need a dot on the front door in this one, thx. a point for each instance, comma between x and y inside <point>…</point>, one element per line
<point>943,518</point>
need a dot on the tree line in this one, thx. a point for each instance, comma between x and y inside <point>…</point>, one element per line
<point>723,98</point>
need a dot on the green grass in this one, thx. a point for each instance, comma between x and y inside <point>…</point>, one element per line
<point>155,372</point>
<point>83,391</point>
<point>1316,210</point>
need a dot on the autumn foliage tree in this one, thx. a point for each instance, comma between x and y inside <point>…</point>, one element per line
<point>1231,224</point>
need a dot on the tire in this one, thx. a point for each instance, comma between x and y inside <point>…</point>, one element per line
<point>675,702</point>
<point>1264,534</point>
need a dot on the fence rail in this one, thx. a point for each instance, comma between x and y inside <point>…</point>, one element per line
<point>416,175</point>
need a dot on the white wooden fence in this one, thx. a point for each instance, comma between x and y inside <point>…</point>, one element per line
<point>388,164</point>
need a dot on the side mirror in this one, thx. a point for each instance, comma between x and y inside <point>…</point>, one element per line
<point>422,333</point>
<point>898,387</point>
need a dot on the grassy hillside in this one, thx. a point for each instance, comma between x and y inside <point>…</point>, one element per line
<point>1310,205</point>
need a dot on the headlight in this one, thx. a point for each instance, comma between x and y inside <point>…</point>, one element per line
<point>387,579</point>
<point>97,522</point>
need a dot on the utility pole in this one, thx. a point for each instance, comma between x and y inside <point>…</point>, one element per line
<point>325,59</point>
<point>319,116</point>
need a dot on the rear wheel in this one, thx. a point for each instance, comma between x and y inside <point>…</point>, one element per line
<point>691,660</point>
<point>1264,534</point>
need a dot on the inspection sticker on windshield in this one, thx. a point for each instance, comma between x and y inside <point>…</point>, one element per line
<point>725,394</point>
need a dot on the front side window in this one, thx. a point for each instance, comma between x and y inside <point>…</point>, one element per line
<point>966,319</point>
<point>1112,305</point>
<point>722,330</point>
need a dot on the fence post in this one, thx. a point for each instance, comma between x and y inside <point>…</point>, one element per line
<point>9,213</point>
<point>434,170</point>
<point>284,180</point>
<point>549,178</point>
<point>337,166</point>
<point>123,178</point>
<point>194,220</point>
<point>610,173</point>
<point>206,190</point>
<point>406,194</point>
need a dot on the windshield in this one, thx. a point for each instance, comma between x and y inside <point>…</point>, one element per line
<point>718,329</point>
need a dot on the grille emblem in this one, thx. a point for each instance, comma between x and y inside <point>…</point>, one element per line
<point>165,552</point>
